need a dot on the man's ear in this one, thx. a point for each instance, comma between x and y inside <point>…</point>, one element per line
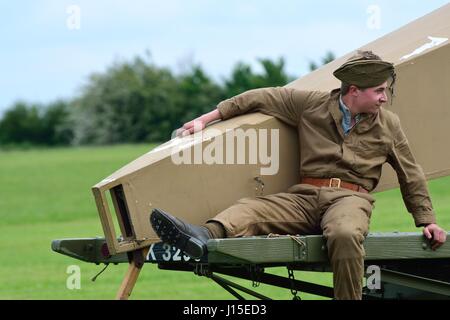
<point>353,90</point>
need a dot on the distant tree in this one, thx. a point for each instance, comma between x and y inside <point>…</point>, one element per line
<point>56,125</point>
<point>243,78</point>
<point>329,56</point>
<point>138,101</point>
<point>36,124</point>
<point>21,124</point>
<point>130,102</point>
<point>273,74</point>
<point>198,94</point>
<point>134,101</point>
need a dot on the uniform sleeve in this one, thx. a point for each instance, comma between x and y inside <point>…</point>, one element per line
<point>283,103</point>
<point>411,178</point>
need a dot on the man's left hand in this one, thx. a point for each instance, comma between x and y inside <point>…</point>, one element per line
<point>436,234</point>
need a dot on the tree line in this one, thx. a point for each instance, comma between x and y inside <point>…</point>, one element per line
<point>134,101</point>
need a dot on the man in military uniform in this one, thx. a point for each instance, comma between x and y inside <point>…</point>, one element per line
<point>345,137</point>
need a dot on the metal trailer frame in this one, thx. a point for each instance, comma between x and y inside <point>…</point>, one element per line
<point>408,268</point>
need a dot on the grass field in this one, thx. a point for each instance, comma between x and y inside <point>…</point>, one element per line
<point>46,195</point>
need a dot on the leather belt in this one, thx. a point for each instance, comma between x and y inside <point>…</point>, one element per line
<point>333,183</point>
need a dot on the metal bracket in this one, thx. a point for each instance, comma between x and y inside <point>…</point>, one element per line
<point>255,272</point>
<point>202,269</point>
<point>137,257</point>
<point>228,285</point>
<point>260,187</point>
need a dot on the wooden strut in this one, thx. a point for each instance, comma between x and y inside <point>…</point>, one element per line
<point>137,258</point>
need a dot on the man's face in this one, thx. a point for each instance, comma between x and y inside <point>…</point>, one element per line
<point>370,100</point>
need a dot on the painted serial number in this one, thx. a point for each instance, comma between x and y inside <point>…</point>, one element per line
<point>163,252</point>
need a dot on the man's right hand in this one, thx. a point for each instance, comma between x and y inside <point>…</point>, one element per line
<point>191,127</point>
<point>435,234</point>
<point>198,124</point>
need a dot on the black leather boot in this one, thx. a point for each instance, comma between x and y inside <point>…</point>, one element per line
<point>187,237</point>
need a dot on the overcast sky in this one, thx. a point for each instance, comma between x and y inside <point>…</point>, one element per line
<point>49,47</point>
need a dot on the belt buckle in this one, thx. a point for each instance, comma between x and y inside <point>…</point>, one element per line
<point>337,180</point>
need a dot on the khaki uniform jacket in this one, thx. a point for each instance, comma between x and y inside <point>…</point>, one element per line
<point>325,152</point>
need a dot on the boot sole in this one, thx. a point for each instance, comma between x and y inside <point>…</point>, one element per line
<point>168,232</point>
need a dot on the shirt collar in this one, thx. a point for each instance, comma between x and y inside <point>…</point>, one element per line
<point>342,104</point>
<point>346,111</point>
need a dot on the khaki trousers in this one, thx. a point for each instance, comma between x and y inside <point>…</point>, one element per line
<point>342,215</point>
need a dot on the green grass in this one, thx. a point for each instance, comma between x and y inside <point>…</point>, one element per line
<point>45,195</point>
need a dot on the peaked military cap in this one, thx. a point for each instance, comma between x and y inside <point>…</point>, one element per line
<point>365,70</point>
